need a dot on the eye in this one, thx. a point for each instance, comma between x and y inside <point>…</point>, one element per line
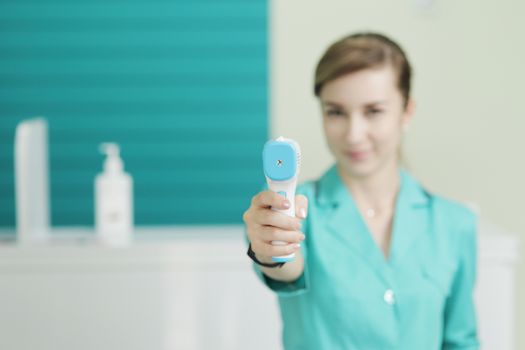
<point>335,113</point>
<point>372,112</point>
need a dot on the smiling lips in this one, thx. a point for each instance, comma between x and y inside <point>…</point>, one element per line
<point>356,155</point>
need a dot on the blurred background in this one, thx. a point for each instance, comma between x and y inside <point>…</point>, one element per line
<point>181,86</point>
<point>191,90</point>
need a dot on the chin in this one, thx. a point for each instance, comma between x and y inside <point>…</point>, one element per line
<point>357,169</point>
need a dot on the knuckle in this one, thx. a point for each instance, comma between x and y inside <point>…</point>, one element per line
<point>246,216</point>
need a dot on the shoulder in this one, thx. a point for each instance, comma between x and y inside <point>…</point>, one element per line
<point>453,213</point>
<point>446,214</point>
<point>454,224</point>
<point>457,224</point>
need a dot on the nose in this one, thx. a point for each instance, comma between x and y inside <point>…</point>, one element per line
<point>356,129</point>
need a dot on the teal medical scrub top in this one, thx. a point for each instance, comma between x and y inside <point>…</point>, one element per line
<point>350,297</point>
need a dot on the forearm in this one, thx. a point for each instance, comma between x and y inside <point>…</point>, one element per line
<point>289,272</point>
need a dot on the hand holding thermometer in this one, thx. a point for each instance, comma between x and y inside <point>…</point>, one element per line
<point>281,163</point>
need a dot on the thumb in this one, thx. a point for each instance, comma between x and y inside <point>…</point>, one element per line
<point>301,206</point>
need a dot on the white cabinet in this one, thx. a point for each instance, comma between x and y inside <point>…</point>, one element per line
<point>496,287</point>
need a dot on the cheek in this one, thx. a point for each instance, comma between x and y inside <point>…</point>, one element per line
<point>332,130</point>
<point>387,136</point>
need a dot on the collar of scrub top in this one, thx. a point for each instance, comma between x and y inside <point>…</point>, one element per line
<point>412,219</point>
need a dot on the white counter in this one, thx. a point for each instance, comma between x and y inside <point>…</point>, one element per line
<point>179,288</point>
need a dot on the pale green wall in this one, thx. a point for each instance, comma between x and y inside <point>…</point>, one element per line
<point>466,141</point>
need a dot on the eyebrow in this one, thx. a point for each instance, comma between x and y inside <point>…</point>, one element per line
<point>372,103</point>
<point>333,104</point>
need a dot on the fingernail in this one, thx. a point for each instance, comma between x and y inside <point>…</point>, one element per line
<point>286,204</point>
<point>303,237</point>
<point>303,213</point>
<point>297,245</point>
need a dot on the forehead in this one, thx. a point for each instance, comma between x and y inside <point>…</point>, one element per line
<point>363,86</point>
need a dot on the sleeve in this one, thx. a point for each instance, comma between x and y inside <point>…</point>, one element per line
<point>293,288</point>
<point>460,329</point>
<point>286,289</point>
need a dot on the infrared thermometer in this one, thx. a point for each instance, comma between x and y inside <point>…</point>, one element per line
<point>281,163</point>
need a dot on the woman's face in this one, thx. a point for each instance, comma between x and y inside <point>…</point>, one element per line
<point>363,119</point>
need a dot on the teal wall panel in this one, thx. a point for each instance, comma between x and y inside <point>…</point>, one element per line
<point>181,85</point>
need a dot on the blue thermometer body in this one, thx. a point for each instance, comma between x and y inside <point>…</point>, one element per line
<point>281,164</point>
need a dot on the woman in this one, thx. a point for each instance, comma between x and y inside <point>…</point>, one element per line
<point>383,263</point>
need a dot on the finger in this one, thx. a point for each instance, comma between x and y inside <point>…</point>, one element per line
<point>270,233</point>
<point>301,206</point>
<point>269,217</point>
<point>268,250</point>
<point>270,199</point>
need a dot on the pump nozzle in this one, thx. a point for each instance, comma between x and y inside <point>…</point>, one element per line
<point>110,149</point>
<point>113,161</point>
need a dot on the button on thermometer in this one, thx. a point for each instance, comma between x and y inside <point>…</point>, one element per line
<point>281,163</point>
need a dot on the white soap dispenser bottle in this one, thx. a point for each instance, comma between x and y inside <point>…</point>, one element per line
<point>113,199</point>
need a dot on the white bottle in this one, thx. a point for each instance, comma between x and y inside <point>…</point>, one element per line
<point>113,199</point>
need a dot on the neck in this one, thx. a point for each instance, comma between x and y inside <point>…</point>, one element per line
<point>377,190</point>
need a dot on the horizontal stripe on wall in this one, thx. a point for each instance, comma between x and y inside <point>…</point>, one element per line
<point>180,85</point>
